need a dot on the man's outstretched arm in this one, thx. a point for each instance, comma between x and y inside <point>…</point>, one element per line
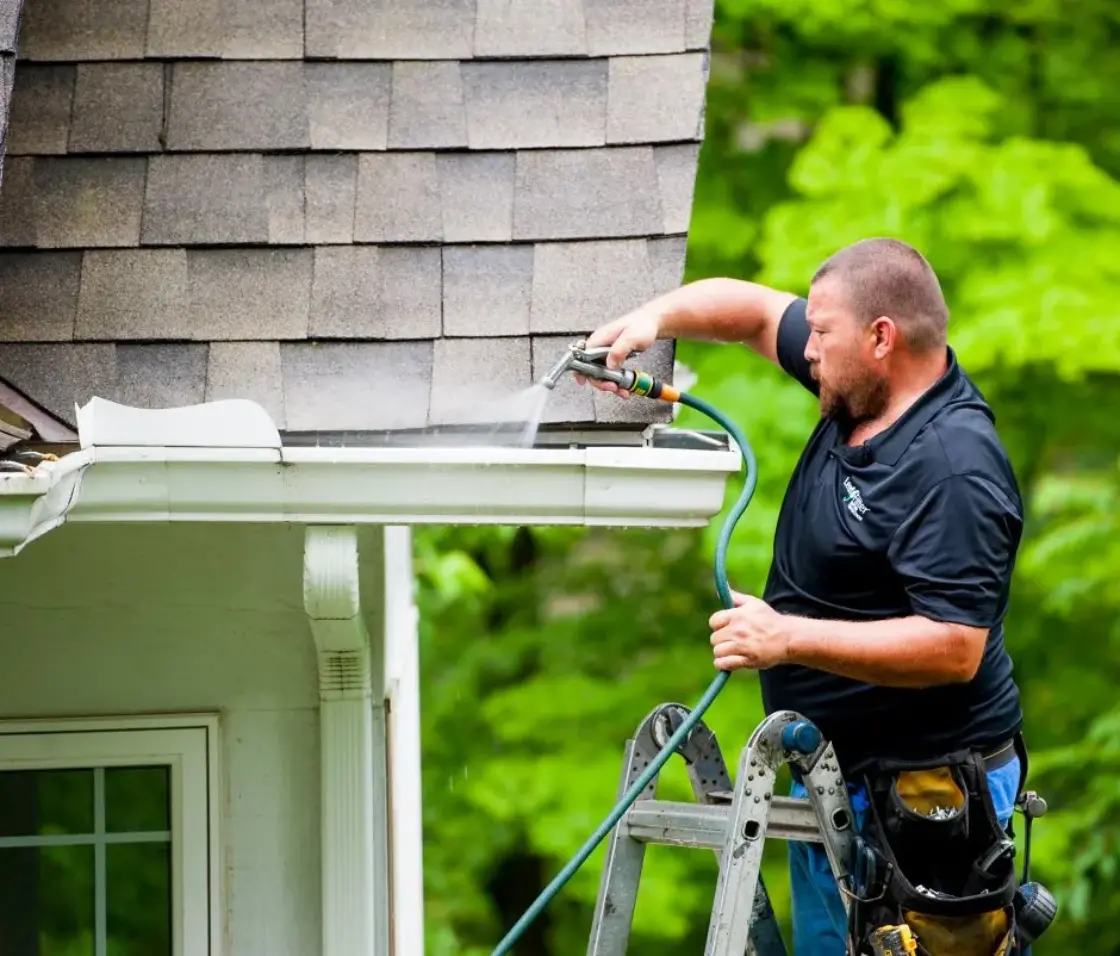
<point>714,310</point>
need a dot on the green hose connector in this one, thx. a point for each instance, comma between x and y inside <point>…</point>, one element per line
<point>750,480</point>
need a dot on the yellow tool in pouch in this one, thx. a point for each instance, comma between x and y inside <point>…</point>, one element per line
<point>893,941</point>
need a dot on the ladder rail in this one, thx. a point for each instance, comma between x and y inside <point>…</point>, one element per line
<point>622,868</point>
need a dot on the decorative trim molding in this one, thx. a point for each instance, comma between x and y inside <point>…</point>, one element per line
<point>402,695</point>
<point>332,599</point>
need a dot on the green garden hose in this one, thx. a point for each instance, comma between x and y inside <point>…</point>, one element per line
<point>750,479</point>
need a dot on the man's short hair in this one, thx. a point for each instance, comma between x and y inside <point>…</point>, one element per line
<point>886,277</point>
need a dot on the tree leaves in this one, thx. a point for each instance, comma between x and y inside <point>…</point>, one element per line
<point>981,133</point>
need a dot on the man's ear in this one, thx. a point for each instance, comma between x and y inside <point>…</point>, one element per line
<point>885,336</point>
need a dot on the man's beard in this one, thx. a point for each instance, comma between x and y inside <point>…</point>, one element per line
<point>854,399</point>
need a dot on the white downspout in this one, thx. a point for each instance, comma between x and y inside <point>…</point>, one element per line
<point>402,697</point>
<point>332,599</point>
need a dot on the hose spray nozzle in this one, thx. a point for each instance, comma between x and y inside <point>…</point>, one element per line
<point>593,363</point>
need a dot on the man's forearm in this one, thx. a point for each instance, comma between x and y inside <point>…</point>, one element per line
<point>903,652</point>
<point>718,310</point>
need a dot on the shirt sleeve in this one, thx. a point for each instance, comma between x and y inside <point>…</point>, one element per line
<point>956,551</point>
<point>793,333</point>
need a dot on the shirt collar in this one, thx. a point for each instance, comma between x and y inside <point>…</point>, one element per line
<point>887,447</point>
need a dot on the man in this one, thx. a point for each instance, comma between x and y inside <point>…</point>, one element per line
<point>882,614</point>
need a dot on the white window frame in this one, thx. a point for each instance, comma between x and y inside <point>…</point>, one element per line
<point>189,746</point>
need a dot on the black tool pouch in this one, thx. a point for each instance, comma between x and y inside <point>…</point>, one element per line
<point>942,862</point>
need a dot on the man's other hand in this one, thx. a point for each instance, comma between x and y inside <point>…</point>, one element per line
<point>751,635</point>
<point>634,332</point>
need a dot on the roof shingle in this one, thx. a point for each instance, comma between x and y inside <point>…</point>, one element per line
<point>348,104</point>
<point>88,202</point>
<point>390,29</point>
<point>346,293</point>
<point>487,290</point>
<point>530,28</point>
<point>38,295</point>
<point>118,107</point>
<point>59,375</point>
<point>70,31</point>
<point>356,385</point>
<point>531,104</point>
<point>132,294</point>
<point>656,98</point>
<point>205,198</point>
<point>249,293</point>
<point>427,106</point>
<point>411,292</point>
<point>476,196</point>
<point>238,106</point>
<point>17,202</point>
<point>699,17</point>
<point>580,285</point>
<point>284,185</point>
<point>676,176</point>
<point>634,26</point>
<point>398,198</point>
<point>248,370</point>
<point>586,193</point>
<point>251,31</point>
<point>331,182</point>
<point>667,262</point>
<point>178,28</point>
<point>472,377</point>
<point>367,292</point>
<point>39,121</point>
<point>161,376</point>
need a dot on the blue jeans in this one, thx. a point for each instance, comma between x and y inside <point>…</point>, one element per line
<point>819,922</point>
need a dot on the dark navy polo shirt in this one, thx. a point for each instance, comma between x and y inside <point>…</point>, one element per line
<point>924,519</point>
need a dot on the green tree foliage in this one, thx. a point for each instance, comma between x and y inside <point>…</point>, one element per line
<point>984,133</point>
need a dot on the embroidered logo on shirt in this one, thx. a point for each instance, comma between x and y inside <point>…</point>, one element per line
<point>853,500</point>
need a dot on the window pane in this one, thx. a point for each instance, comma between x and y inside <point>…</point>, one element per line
<point>41,802</point>
<point>137,799</point>
<point>138,881</point>
<point>47,903</point>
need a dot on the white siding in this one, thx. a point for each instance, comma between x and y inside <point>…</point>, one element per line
<point>100,621</point>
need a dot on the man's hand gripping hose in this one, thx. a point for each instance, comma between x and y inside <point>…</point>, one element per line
<point>591,363</point>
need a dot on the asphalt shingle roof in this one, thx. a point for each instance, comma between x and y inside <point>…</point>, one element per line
<point>334,206</point>
<point>9,30</point>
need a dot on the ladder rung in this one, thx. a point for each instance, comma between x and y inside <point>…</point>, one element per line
<point>705,826</point>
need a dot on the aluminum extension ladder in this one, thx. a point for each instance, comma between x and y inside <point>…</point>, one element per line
<point>732,820</point>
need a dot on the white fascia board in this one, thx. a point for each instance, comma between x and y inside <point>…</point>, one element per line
<point>656,487</point>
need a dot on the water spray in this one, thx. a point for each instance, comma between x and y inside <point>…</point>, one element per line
<point>581,360</point>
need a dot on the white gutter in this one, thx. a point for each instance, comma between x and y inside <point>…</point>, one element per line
<point>33,504</point>
<point>138,465</point>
